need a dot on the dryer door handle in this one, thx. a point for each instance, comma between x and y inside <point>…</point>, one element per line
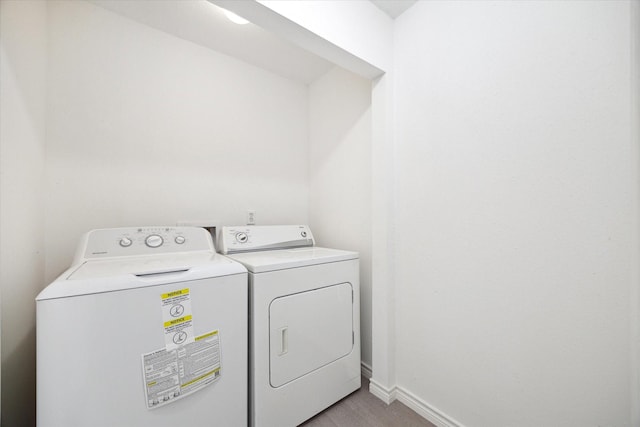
<point>284,340</point>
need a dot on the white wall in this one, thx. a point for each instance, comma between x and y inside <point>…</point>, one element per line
<point>146,128</point>
<point>340,175</point>
<point>516,193</point>
<point>22,140</point>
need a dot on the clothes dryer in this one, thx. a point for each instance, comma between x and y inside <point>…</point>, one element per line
<point>304,321</point>
<point>148,327</point>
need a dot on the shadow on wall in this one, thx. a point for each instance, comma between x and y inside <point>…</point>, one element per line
<point>19,384</point>
<point>23,43</point>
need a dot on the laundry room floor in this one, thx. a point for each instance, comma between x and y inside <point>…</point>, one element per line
<point>363,409</point>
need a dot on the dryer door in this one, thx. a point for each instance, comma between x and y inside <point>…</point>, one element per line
<point>309,330</point>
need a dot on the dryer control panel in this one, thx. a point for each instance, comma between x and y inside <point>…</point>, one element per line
<point>249,238</point>
<point>137,241</point>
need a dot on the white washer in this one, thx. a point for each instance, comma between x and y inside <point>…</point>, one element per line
<point>304,325</point>
<point>127,292</point>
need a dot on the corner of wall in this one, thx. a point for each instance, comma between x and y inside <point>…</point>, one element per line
<point>382,220</point>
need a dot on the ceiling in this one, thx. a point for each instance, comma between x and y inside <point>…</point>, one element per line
<point>204,23</point>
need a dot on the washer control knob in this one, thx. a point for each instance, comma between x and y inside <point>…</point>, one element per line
<point>303,234</point>
<point>242,237</point>
<point>125,242</point>
<point>180,240</point>
<point>154,241</point>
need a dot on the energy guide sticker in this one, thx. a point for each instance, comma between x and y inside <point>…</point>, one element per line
<point>177,318</point>
<point>173,374</point>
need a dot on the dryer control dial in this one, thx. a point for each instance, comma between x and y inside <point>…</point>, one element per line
<point>125,242</point>
<point>154,241</point>
<point>242,237</point>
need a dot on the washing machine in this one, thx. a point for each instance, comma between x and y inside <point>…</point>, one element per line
<point>148,327</point>
<point>304,322</point>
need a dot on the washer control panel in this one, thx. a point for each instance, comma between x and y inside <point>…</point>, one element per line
<point>136,241</point>
<point>247,238</point>
<point>154,241</point>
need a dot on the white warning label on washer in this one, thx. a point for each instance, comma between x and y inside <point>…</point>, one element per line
<point>172,374</point>
<point>177,318</point>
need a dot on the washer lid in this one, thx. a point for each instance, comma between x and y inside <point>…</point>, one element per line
<point>263,261</point>
<point>97,276</point>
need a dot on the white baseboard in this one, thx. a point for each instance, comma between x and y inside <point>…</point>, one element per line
<point>382,393</point>
<point>427,411</point>
<point>422,408</point>
<point>365,370</point>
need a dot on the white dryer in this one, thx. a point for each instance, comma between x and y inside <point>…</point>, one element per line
<point>148,327</point>
<point>304,322</point>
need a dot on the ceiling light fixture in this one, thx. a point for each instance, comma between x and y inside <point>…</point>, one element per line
<point>235,18</point>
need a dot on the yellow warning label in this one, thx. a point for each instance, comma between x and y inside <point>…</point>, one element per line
<point>200,378</point>
<point>177,317</point>
<point>175,293</point>
<point>210,334</point>
<point>177,321</point>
